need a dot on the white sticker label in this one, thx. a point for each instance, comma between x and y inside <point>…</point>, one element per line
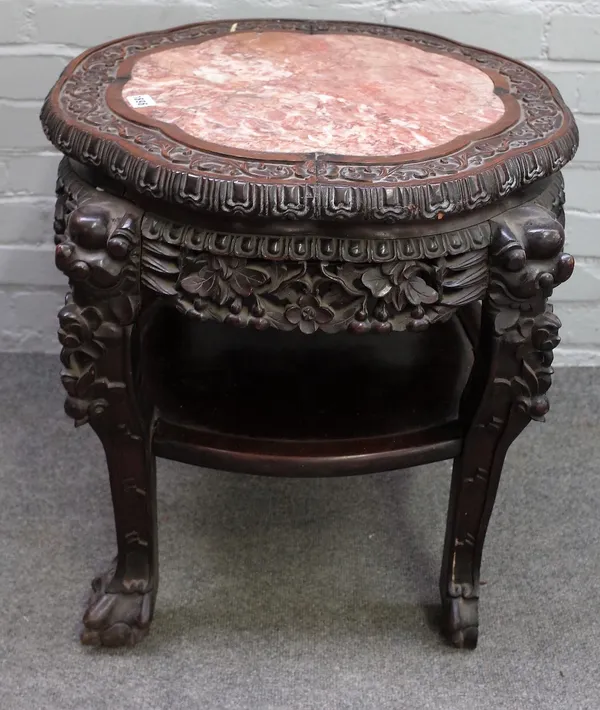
<point>141,101</point>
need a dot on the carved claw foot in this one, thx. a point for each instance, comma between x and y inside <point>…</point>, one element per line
<point>461,621</point>
<point>116,618</point>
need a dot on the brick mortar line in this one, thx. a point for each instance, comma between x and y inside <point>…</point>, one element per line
<point>25,199</point>
<point>578,212</point>
<point>21,103</point>
<point>38,197</point>
<point>594,303</point>
<point>566,65</point>
<point>581,213</point>
<point>589,166</point>
<point>25,247</point>
<point>545,48</point>
<point>8,154</point>
<point>16,289</point>
<point>27,50</point>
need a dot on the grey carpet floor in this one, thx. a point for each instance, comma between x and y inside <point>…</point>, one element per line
<point>293,594</point>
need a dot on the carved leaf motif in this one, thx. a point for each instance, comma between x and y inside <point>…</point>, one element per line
<point>202,282</point>
<point>343,318</point>
<point>461,297</point>
<point>289,291</point>
<point>86,379</point>
<point>160,285</point>
<point>377,283</point>
<point>394,268</point>
<point>90,315</point>
<point>417,292</point>
<point>470,258</point>
<point>244,281</point>
<point>225,266</point>
<point>222,293</point>
<point>69,382</point>
<point>345,275</point>
<point>160,265</point>
<point>159,250</point>
<point>545,379</point>
<point>440,270</point>
<point>279,273</point>
<point>547,339</point>
<point>520,332</point>
<point>545,332</point>
<point>530,378</point>
<point>93,350</point>
<point>461,279</point>
<point>277,319</point>
<point>399,299</point>
<point>506,319</point>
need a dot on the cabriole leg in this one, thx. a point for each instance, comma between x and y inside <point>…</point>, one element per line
<point>98,248</point>
<point>508,389</point>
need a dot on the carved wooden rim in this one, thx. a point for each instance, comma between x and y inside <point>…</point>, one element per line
<point>78,120</point>
<point>314,240</point>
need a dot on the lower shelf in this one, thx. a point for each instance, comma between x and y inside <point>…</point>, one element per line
<point>289,404</point>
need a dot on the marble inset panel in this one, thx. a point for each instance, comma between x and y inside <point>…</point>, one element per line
<point>288,92</point>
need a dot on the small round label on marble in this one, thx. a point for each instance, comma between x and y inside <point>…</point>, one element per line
<point>291,92</point>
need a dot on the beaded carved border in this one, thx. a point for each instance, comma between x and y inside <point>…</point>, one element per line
<point>162,233</point>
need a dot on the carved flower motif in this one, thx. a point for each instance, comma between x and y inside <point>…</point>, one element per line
<point>518,329</point>
<point>308,314</point>
<point>400,283</point>
<point>91,328</point>
<point>77,325</point>
<point>85,333</point>
<point>221,279</point>
<point>529,392</point>
<point>545,332</point>
<point>530,386</point>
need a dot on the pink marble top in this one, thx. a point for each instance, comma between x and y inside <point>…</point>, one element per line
<point>288,92</point>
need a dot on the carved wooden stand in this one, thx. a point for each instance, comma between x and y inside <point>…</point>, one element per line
<point>451,253</point>
<point>119,261</point>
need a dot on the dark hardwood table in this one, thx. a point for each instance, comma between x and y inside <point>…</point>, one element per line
<point>393,195</point>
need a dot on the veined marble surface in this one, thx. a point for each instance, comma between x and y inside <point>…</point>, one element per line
<point>288,92</point>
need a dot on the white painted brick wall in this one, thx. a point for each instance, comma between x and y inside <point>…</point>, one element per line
<point>28,76</point>
<point>38,37</point>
